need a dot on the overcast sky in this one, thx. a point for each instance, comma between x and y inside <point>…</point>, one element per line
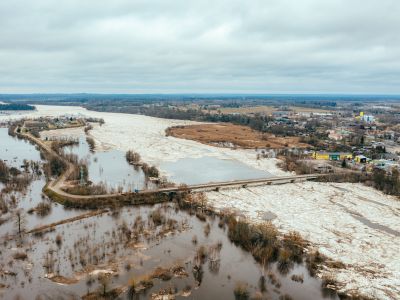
<point>227,46</point>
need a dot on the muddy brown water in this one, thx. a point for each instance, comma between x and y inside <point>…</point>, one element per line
<point>98,243</point>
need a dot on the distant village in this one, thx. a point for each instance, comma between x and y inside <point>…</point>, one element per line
<point>345,137</point>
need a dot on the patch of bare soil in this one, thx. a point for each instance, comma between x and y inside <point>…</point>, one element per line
<point>230,135</point>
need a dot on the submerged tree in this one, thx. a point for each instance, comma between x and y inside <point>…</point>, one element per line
<point>19,216</point>
<point>132,157</point>
<point>104,280</point>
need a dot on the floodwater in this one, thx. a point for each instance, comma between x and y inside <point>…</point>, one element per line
<point>86,245</point>
<point>132,246</point>
<point>110,168</point>
<point>14,151</point>
<point>209,169</point>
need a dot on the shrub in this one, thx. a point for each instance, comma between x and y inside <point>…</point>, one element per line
<point>147,282</point>
<point>132,157</point>
<point>150,171</point>
<point>43,209</point>
<point>91,143</point>
<point>207,229</point>
<point>20,255</point>
<point>88,128</point>
<point>284,262</point>
<point>58,240</point>
<point>313,261</point>
<point>328,281</point>
<point>163,274</point>
<point>94,189</point>
<point>297,278</point>
<point>201,254</point>
<point>241,291</point>
<point>295,244</point>
<point>157,217</point>
<point>4,171</point>
<point>202,217</point>
<point>55,166</point>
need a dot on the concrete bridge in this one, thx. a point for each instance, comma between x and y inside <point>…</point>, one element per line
<point>57,191</point>
<point>235,183</point>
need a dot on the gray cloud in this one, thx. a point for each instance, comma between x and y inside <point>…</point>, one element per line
<point>200,46</point>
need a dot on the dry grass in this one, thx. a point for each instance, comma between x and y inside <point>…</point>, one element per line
<point>237,135</point>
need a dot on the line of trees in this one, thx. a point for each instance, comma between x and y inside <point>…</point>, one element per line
<point>389,183</point>
<point>16,106</point>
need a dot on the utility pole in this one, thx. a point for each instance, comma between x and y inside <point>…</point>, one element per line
<point>82,179</point>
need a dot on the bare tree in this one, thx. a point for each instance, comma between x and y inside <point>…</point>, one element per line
<point>104,280</point>
<point>202,200</point>
<point>19,216</point>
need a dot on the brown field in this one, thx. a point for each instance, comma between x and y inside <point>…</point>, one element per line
<point>267,110</point>
<point>240,136</point>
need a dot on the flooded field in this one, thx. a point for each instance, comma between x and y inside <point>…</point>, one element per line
<point>110,168</point>
<point>138,252</point>
<point>130,247</point>
<point>14,151</point>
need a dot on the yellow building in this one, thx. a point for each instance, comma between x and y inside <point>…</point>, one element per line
<point>346,156</point>
<point>321,155</point>
<point>331,156</point>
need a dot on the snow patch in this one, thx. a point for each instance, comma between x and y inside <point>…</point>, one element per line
<point>351,223</point>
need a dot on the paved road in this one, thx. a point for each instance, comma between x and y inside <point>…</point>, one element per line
<point>57,185</point>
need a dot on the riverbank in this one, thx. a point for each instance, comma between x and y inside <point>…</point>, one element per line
<point>350,223</point>
<point>326,214</point>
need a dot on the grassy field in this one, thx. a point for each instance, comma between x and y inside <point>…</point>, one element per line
<point>239,136</point>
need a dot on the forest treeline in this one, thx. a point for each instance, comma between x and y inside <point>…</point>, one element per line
<point>16,106</point>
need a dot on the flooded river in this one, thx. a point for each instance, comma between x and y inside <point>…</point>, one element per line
<point>131,244</point>
<point>210,169</point>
